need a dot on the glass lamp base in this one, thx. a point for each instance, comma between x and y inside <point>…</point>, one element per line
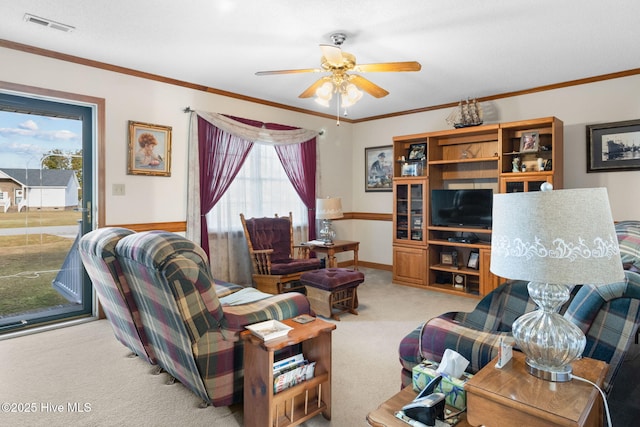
<point>326,234</point>
<point>549,341</point>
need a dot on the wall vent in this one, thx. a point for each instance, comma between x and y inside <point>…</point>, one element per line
<point>48,23</point>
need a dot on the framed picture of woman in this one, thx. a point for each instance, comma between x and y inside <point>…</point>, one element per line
<point>149,149</point>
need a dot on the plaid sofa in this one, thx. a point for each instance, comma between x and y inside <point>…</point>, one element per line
<point>195,338</point>
<point>608,315</point>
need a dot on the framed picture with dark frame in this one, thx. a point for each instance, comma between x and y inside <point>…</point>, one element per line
<point>378,167</point>
<point>613,147</point>
<point>149,149</point>
<point>417,152</point>
<point>474,260</point>
<point>446,258</point>
<point>529,142</point>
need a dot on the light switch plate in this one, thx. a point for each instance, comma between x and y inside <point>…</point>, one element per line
<point>117,190</point>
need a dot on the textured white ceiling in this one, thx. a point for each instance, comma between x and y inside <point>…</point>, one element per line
<point>467,48</point>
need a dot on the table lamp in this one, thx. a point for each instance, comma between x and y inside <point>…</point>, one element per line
<point>554,240</point>
<point>326,210</point>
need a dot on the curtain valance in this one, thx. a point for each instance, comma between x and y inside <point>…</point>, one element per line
<point>258,132</point>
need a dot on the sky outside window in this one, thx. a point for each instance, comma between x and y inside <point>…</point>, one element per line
<point>25,138</point>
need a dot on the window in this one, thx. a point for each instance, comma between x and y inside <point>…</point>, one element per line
<point>260,189</point>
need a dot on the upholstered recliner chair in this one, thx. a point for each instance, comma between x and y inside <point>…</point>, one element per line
<point>97,251</point>
<point>608,315</point>
<point>193,333</point>
<point>277,262</point>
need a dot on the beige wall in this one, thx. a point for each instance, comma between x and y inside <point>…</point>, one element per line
<point>341,149</point>
<point>577,106</point>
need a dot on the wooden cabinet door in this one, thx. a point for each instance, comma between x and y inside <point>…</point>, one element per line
<point>409,265</point>
<point>488,280</point>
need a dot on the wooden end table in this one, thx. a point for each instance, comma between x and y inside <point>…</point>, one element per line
<point>296,404</point>
<point>512,397</point>
<point>337,247</point>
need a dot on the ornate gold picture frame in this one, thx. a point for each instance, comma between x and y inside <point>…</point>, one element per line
<point>149,149</point>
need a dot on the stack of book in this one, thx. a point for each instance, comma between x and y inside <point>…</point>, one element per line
<point>291,371</point>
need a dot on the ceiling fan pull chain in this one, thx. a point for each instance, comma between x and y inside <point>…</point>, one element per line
<point>338,110</point>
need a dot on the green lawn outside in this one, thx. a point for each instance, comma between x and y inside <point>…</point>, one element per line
<point>22,290</point>
<point>38,218</point>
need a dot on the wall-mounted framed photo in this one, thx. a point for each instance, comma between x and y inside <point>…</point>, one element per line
<point>474,260</point>
<point>417,151</point>
<point>378,166</point>
<point>613,147</point>
<point>529,142</point>
<point>149,149</point>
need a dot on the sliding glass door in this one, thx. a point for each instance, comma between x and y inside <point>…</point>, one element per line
<point>46,181</point>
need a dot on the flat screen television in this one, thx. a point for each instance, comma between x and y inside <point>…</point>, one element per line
<point>462,208</point>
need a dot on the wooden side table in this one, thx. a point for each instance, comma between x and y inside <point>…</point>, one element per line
<point>296,404</point>
<point>384,416</point>
<point>337,247</point>
<point>512,397</point>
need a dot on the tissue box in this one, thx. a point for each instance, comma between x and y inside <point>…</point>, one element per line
<point>453,388</point>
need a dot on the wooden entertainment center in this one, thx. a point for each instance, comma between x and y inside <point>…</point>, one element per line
<point>505,157</point>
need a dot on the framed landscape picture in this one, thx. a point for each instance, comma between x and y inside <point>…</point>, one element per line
<point>378,168</point>
<point>613,146</point>
<point>149,149</point>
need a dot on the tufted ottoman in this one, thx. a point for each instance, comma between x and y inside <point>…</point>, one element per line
<point>330,288</point>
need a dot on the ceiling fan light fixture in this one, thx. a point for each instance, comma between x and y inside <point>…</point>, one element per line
<point>322,101</point>
<point>350,95</point>
<point>324,94</point>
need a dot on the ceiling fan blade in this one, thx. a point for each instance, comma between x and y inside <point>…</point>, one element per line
<point>311,90</point>
<point>388,66</point>
<point>333,54</point>
<point>368,86</point>
<point>304,70</point>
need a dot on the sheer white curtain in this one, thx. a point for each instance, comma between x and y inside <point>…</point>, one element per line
<point>261,189</point>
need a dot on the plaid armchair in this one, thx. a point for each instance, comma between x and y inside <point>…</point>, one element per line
<point>194,333</point>
<point>608,315</point>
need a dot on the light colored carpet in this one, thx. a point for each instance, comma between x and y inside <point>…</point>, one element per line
<point>85,365</point>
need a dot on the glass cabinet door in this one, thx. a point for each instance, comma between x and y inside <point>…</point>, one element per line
<point>409,211</point>
<point>523,183</point>
<point>416,212</point>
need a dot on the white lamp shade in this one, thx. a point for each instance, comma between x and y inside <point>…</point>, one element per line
<point>561,236</point>
<point>329,208</point>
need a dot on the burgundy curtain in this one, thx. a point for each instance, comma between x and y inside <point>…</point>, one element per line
<point>221,157</point>
<point>299,162</point>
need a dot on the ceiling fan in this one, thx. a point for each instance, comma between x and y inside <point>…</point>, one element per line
<point>346,85</point>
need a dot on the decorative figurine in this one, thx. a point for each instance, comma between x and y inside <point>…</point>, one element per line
<point>515,164</point>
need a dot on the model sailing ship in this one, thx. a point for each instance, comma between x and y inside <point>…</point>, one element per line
<point>467,113</point>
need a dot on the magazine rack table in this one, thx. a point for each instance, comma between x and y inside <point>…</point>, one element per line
<point>300,402</point>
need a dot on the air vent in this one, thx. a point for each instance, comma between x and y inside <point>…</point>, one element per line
<point>48,23</point>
